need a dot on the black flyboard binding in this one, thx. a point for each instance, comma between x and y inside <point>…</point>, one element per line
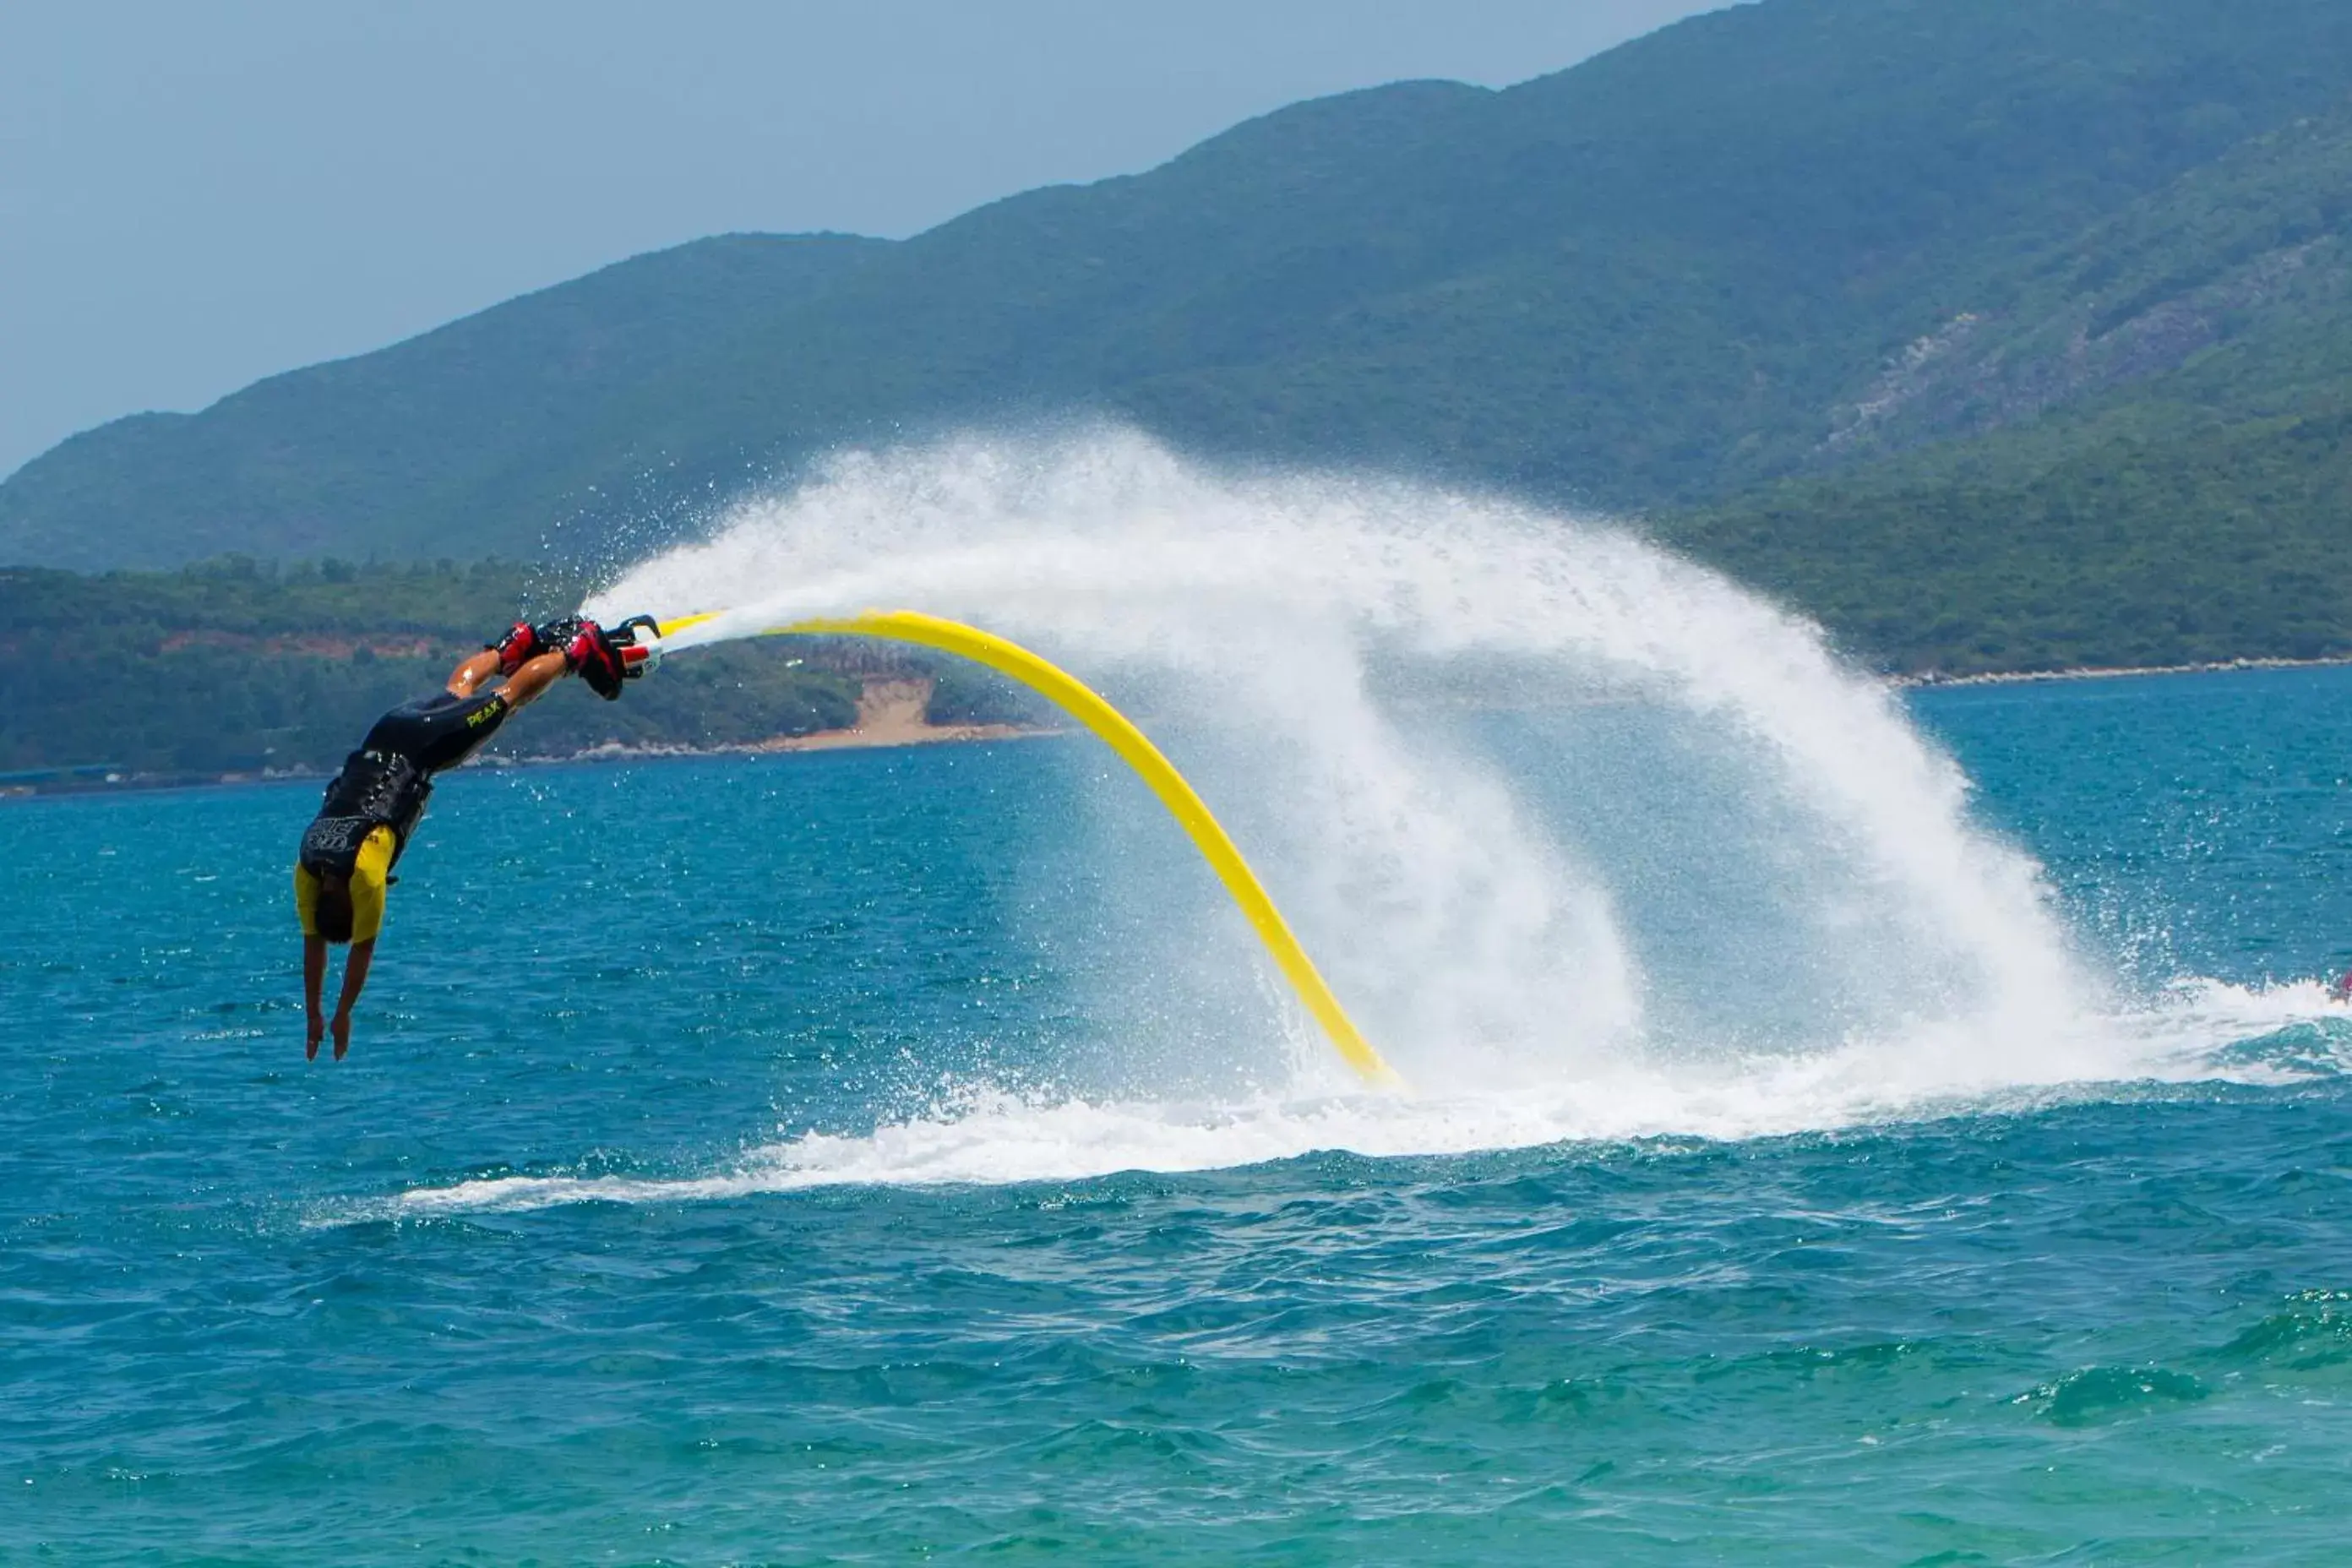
<point>607,656</point>
<point>638,642</point>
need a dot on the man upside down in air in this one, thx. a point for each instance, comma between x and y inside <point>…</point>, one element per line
<point>374,805</point>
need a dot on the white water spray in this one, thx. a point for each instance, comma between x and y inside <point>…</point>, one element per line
<point>1713,881</point>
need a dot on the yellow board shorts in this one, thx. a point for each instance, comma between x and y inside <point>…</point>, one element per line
<point>368,883</point>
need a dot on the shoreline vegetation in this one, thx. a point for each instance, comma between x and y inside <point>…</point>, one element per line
<point>895,713</point>
<point>890,713</point>
<point>240,670</point>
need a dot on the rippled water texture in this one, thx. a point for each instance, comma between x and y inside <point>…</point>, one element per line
<point>840,1157</point>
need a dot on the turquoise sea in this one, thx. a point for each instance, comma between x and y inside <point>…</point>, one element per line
<point>837,1157</point>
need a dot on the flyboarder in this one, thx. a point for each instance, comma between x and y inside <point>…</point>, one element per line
<point>373,803</point>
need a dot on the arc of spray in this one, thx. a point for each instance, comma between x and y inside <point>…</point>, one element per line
<point>1184,803</point>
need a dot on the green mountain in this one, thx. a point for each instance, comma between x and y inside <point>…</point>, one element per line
<point>438,446</point>
<point>1997,332</point>
<point>2134,451</point>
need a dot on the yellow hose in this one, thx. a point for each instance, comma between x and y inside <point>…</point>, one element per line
<point>1081,702</point>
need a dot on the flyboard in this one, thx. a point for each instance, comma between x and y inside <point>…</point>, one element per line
<point>1081,702</point>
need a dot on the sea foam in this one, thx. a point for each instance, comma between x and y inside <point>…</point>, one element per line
<point>1735,893</point>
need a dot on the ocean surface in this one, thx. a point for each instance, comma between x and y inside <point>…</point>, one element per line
<point>870,1156</point>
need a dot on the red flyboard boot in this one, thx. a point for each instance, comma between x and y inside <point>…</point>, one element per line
<point>596,660</point>
<point>517,647</point>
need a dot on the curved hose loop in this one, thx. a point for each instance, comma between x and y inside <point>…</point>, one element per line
<point>1081,702</point>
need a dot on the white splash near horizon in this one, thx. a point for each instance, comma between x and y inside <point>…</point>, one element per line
<point>1741,895</point>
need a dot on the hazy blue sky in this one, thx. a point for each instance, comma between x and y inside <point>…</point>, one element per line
<point>195,195</point>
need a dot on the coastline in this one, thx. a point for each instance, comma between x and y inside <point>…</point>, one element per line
<point>891,713</point>
<point>1932,679</point>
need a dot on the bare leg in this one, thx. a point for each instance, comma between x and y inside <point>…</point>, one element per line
<point>468,678</point>
<point>535,677</point>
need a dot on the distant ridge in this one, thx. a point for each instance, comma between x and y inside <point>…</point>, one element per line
<point>1786,278</point>
<point>435,447</point>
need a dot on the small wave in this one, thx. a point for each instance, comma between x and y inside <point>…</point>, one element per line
<point>2313,1332</point>
<point>983,1136</point>
<point>2289,1032</point>
<point>2100,1394</point>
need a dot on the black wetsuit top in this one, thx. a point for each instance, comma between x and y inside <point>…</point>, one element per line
<point>386,781</point>
<point>439,731</point>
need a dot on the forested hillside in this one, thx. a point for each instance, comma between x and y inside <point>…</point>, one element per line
<point>1999,333</point>
<point>2136,451</point>
<point>237,667</point>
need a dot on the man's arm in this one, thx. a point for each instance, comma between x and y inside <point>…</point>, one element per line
<point>314,980</point>
<point>355,970</point>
